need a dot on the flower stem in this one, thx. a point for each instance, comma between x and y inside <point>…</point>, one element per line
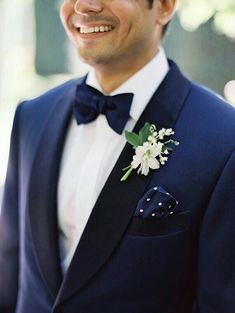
<point>125,176</point>
<point>126,168</point>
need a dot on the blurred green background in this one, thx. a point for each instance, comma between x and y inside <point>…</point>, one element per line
<point>36,55</point>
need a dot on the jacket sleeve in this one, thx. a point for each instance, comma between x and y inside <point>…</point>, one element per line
<point>216,271</point>
<point>9,229</point>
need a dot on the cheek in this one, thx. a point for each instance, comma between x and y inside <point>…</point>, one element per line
<point>129,19</point>
<point>131,29</point>
<point>65,11</point>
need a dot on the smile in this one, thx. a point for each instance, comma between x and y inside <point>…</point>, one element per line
<point>96,29</point>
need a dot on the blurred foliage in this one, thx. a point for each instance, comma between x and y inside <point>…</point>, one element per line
<point>193,13</point>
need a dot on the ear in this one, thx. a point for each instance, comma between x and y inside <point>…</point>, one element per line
<point>165,11</point>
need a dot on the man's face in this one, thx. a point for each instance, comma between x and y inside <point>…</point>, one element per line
<point>111,31</point>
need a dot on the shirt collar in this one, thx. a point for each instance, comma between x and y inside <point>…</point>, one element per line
<point>142,84</point>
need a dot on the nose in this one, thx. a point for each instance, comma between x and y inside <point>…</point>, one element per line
<point>88,6</point>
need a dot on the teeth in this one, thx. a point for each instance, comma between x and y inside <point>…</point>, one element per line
<point>96,29</point>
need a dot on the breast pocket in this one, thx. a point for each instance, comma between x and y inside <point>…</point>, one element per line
<point>157,227</point>
<point>158,213</point>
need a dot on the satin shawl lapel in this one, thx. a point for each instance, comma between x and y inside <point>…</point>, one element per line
<point>43,191</point>
<point>117,201</point>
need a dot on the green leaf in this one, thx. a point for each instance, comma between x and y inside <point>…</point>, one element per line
<point>133,139</point>
<point>144,133</point>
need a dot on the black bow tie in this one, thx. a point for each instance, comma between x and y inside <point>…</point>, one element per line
<point>89,103</point>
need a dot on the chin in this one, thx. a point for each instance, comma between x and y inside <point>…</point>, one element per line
<point>91,58</point>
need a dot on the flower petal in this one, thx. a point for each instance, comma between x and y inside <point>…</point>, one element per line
<point>140,151</point>
<point>136,162</point>
<point>156,150</point>
<point>144,168</point>
<point>153,163</point>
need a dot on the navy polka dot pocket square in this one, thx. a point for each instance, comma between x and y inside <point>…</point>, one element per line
<point>156,203</point>
<point>158,214</point>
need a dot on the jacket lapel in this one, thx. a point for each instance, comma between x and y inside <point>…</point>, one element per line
<point>117,201</point>
<point>43,192</point>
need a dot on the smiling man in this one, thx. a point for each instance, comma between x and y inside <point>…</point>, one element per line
<point>116,37</point>
<point>79,234</point>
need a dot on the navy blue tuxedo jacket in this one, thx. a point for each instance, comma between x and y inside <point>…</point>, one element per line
<point>178,263</point>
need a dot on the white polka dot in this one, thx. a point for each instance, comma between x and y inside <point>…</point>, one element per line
<point>160,203</point>
<point>153,214</point>
<point>148,199</point>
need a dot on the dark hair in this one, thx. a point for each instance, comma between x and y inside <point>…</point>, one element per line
<point>165,26</point>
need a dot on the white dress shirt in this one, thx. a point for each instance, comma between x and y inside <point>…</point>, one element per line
<point>91,151</point>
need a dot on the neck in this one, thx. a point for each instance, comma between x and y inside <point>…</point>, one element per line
<point>112,76</point>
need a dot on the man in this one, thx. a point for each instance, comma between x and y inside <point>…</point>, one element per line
<point>77,239</point>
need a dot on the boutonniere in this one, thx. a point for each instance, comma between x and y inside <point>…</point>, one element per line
<point>151,149</point>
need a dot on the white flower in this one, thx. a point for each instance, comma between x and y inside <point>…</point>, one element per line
<point>161,133</point>
<point>152,128</point>
<point>169,132</point>
<point>152,139</point>
<point>145,157</point>
<point>150,154</point>
<point>163,159</point>
<point>165,132</point>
